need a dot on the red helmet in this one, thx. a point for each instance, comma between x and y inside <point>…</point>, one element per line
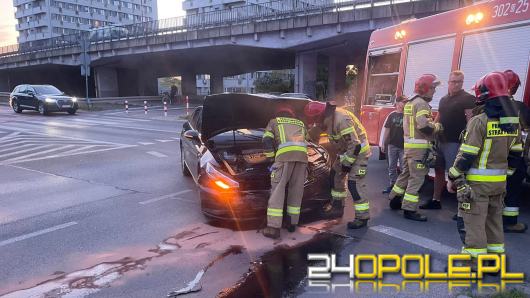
<point>491,86</point>
<point>314,110</point>
<point>513,81</point>
<point>285,110</point>
<point>424,83</point>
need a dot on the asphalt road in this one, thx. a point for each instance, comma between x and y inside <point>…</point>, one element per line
<point>95,205</point>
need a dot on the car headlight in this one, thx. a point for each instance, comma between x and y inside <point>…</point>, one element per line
<point>50,100</point>
<point>220,179</point>
<point>74,99</point>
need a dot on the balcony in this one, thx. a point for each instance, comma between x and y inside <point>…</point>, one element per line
<point>30,11</point>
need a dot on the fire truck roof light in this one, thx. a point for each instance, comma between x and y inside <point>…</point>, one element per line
<point>474,18</point>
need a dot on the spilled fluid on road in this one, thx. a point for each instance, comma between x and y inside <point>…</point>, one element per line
<point>283,271</point>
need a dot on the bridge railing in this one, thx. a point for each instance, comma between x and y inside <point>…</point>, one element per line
<point>277,9</point>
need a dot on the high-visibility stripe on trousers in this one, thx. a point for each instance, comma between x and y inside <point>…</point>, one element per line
<point>497,248</point>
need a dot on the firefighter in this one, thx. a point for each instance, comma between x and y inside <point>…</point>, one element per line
<point>490,143</point>
<point>285,141</point>
<point>419,130</point>
<point>516,175</point>
<point>348,136</point>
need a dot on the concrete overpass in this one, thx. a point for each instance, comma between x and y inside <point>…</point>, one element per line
<point>334,33</point>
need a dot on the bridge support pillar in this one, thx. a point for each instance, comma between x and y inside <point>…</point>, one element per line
<point>147,83</point>
<point>5,84</point>
<point>189,84</point>
<point>106,82</point>
<point>306,73</point>
<point>216,84</point>
<point>336,79</point>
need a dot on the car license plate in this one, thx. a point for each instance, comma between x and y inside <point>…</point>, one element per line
<point>65,106</point>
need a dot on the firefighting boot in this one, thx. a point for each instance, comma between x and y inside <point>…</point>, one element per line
<point>271,232</point>
<point>414,215</point>
<point>357,223</point>
<point>515,228</point>
<point>431,204</point>
<point>288,225</point>
<point>395,203</point>
<point>334,209</point>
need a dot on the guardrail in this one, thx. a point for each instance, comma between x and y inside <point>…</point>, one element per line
<point>244,14</point>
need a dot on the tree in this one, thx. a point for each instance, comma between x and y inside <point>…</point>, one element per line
<point>273,82</point>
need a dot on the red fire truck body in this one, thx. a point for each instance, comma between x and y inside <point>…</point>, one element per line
<point>477,39</point>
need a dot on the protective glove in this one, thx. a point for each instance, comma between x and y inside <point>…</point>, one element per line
<point>438,131</point>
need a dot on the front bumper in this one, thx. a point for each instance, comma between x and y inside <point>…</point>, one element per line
<point>60,106</point>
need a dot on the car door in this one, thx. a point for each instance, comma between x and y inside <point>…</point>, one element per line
<point>192,148</point>
<point>31,96</point>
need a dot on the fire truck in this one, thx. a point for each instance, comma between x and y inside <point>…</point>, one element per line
<point>477,39</point>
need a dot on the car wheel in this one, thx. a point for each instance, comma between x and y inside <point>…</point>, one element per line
<point>72,111</point>
<point>185,171</point>
<point>42,109</point>
<point>16,107</point>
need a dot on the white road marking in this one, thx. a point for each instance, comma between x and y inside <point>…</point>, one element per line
<point>11,135</point>
<point>164,141</point>
<point>38,153</point>
<point>26,150</point>
<point>157,154</point>
<point>17,147</point>
<point>416,240</point>
<point>165,197</point>
<point>176,138</point>
<point>143,128</point>
<point>146,143</point>
<point>37,233</point>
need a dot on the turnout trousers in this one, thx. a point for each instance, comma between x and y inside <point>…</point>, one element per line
<point>356,183</point>
<point>411,179</point>
<point>483,223</point>
<point>286,176</point>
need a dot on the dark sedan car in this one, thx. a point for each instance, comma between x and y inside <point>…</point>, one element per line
<point>42,98</point>
<point>221,149</point>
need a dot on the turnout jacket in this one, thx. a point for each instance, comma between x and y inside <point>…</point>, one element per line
<point>485,154</point>
<point>286,139</point>
<point>346,132</point>
<point>418,124</point>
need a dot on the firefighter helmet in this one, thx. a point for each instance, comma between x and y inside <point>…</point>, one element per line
<point>314,109</point>
<point>513,81</point>
<point>491,86</point>
<point>424,83</point>
<point>285,110</point>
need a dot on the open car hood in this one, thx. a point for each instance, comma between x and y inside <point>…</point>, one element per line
<point>229,111</point>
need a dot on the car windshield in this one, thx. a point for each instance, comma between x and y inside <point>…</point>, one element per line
<point>48,90</point>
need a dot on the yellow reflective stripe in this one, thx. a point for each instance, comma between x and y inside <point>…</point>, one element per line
<point>411,198</point>
<point>362,207</point>
<point>510,211</point>
<point>422,113</point>
<point>517,147</point>
<point>486,178</point>
<point>281,130</point>
<point>411,127</point>
<point>347,131</point>
<point>469,149</point>
<point>364,149</point>
<point>291,149</point>
<point>496,248</point>
<point>454,172</point>
<point>417,146</point>
<point>347,158</point>
<point>474,252</point>
<point>398,190</point>
<point>511,120</point>
<point>293,210</point>
<point>274,212</point>
<point>485,154</point>
<point>284,120</point>
<point>407,110</point>
<point>268,134</point>
<point>338,194</point>
<point>269,154</point>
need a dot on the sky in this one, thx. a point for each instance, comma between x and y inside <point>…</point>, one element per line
<point>8,33</point>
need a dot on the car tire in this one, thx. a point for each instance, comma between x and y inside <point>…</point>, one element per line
<point>185,171</point>
<point>16,107</point>
<point>42,109</point>
<point>72,111</point>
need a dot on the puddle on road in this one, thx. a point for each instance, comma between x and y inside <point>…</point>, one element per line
<point>282,272</point>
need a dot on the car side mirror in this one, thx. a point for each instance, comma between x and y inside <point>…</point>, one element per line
<point>192,135</point>
<point>30,93</point>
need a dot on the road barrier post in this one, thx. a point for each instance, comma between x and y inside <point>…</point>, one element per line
<point>145,107</point>
<point>165,108</point>
<point>187,106</point>
<point>127,107</point>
